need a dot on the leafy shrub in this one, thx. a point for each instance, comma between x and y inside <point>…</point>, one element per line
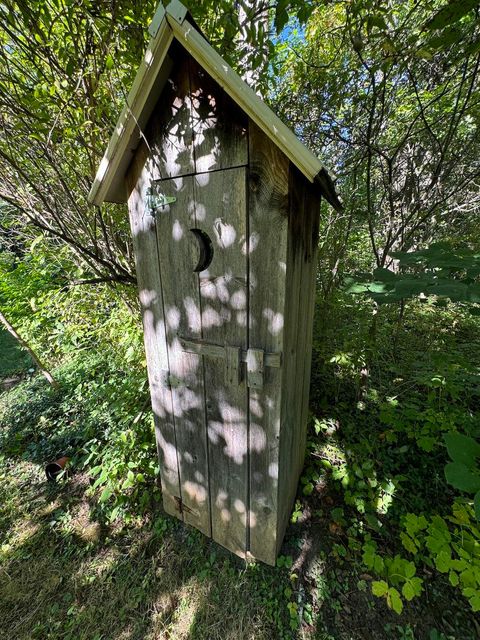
<point>464,472</point>
<point>450,544</point>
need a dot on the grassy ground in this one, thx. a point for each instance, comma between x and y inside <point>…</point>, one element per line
<point>12,359</point>
<point>66,575</point>
<point>71,571</point>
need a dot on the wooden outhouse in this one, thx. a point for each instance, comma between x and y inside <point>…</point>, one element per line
<point>224,208</point>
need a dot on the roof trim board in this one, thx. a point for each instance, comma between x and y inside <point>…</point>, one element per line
<point>166,25</point>
<point>153,73</point>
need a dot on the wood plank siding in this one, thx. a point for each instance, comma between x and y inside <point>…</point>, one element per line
<point>226,276</point>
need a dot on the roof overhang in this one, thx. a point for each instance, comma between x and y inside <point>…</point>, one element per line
<point>109,184</point>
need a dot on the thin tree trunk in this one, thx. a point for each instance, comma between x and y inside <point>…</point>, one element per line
<point>29,349</point>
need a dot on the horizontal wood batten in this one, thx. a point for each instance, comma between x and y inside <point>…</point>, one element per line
<point>217,351</point>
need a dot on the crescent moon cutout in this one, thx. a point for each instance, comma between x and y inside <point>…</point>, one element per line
<point>205,250</point>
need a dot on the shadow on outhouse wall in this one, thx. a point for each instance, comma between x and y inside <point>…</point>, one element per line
<point>214,267</point>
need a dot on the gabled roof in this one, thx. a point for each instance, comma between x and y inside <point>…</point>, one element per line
<point>167,24</point>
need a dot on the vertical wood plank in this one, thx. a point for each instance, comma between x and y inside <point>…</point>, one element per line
<point>291,387</point>
<point>301,267</point>
<point>221,213</point>
<point>170,132</point>
<point>309,278</point>
<point>178,254</point>
<point>220,127</point>
<point>268,226</point>
<point>149,287</point>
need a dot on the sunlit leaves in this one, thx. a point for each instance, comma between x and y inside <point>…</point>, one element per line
<point>450,13</point>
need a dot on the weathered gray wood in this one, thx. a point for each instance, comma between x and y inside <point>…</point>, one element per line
<point>281,136</point>
<point>212,350</point>
<point>309,276</point>
<point>291,397</point>
<point>220,127</point>
<point>183,318</point>
<point>220,212</point>
<point>150,293</point>
<point>267,253</point>
<point>170,132</point>
<point>301,266</point>
<point>233,372</point>
<point>229,348</point>
<point>255,368</point>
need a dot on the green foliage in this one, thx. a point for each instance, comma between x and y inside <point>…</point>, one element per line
<point>99,416</point>
<point>398,573</point>
<point>13,359</point>
<point>464,472</point>
<point>439,271</point>
<point>386,407</point>
<point>450,544</point>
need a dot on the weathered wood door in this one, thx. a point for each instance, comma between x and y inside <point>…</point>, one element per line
<point>202,249</point>
<point>212,275</point>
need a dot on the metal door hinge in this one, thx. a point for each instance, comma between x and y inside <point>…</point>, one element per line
<point>154,200</point>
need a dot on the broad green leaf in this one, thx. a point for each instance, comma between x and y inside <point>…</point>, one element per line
<point>394,600</point>
<point>443,561</point>
<point>379,588</point>
<point>379,287</point>
<point>450,13</point>
<point>408,287</point>
<point>475,602</point>
<point>384,275</point>
<point>408,592</point>
<point>308,489</point>
<point>455,291</point>
<point>414,523</point>
<point>357,287</point>
<point>461,477</point>
<point>453,578</point>
<point>408,543</point>
<point>412,588</point>
<point>473,294</point>
<point>378,564</point>
<point>106,493</point>
<point>409,569</point>
<point>462,449</point>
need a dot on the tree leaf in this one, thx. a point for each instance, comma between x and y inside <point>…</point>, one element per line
<point>450,13</point>
<point>412,588</point>
<point>462,449</point>
<point>461,477</point>
<point>379,588</point>
<point>408,287</point>
<point>475,602</point>
<point>409,569</point>
<point>106,493</point>
<point>443,561</point>
<point>394,600</point>
<point>456,291</point>
<point>384,275</point>
<point>408,592</point>
<point>453,577</point>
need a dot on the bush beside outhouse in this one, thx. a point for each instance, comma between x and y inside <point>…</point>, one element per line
<point>224,206</point>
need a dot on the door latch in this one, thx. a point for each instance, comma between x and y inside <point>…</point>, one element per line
<point>154,200</point>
